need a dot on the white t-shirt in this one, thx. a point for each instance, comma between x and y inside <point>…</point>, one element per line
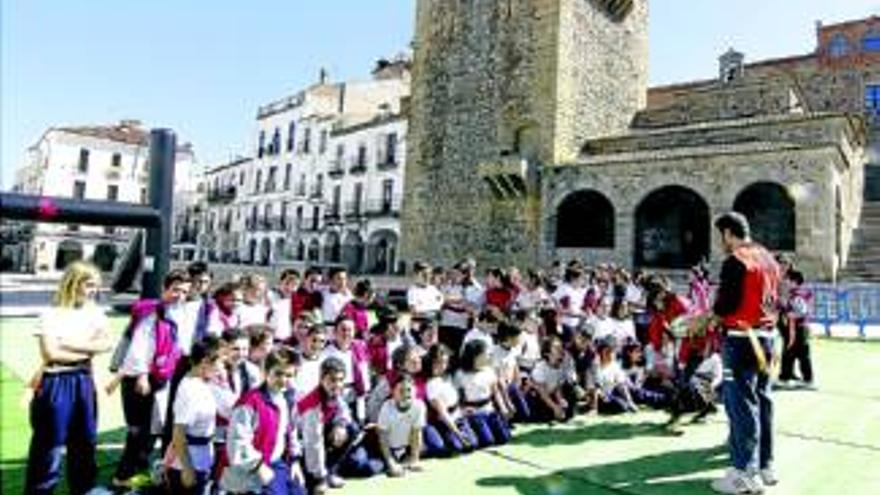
<point>280,320</point>
<point>72,325</point>
<point>194,407</point>
<point>346,358</point>
<point>528,300</point>
<point>309,374</point>
<point>442,390</point>
<point>283,419</point>
<point>610,376</point>
<point>253,314</point>
<point>332,304</point>
<point>552,378</point>
<point>505,361</point>
<point>427,299</point>
<point>603,328</point>
<point>450,317</point>
<point>400,424</point>
<point>478,387</point>
<point>571,300</point>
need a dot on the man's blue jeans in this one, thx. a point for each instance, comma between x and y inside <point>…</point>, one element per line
<point>747,401</point>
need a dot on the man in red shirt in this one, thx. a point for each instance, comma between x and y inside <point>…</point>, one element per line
<point>745,309</point>
<point>308,296</point>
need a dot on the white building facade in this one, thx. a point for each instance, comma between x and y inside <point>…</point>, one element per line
<point>108,163</point>
<point>326,178</point>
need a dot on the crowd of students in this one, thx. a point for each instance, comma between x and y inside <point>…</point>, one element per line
<point>290,389</point>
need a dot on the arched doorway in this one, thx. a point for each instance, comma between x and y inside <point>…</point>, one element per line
<point>68,251</point>
<point>585,219</point>
<point>314,251</point>
<point>279,249</point>
<point>105,256</point>
<point>382,252</point>
<point>332,248</point>
<point>353,252</point>
<point>252,251</point>
<point>770,210</point>
<point>265,251</point>
<point>300,251</point>
<point>672,229</point>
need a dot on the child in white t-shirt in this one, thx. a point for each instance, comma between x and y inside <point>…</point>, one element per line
<point>190,457</point>
<point>553,381</point>
<point>613,384</point>
<point>400,424</point>
<point>481,397</point>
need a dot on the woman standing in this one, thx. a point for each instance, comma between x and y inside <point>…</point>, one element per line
<point>64,408</point>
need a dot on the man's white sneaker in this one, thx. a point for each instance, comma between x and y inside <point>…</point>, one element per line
<point>768,476</point>
<point>736,482</point>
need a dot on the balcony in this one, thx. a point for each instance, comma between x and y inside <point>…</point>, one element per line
<point>333,215</point>
<point>388,162</point>
<point>311,224</point>
<point>358,167</point>
<point>336,169</point>
<point>386,207</point>
<point>222,195</point>
<point>354,210</point>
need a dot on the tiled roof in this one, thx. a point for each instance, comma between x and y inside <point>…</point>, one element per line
<point>125,132</point>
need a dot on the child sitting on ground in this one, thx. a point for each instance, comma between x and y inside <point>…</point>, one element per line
<point>400,425</point>
<point>484,406</point>
<point>553,393</point>
<point>614,388</point>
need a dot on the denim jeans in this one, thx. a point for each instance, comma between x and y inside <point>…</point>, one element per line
<point>747,402</point>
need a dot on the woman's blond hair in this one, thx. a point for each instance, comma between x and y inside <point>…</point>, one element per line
<point>74,276</point>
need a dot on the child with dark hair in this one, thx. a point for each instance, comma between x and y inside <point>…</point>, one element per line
<point>445,414</point>
<point>553,380</point>
<point>307,297</point>
<point>534,295</point>
<point>223,313</point>
<point>190,460</point>
<point>529,352</point>
<point>280,318</point>
<point>385,338</point>
<point>485,327</point>
<point>796,331</point>
<point>504,360</point>
<point>614,387</point>
<point>255,308</point>
<point>399,426</point>
<point>262,342</point>
<point>481,397</point>
<point>262,441</point>
<point>583,357</point>
<point>499,289</point>
<point>405,360</point>
<point>332,441</point>
<point>353,352</point>
<point>634,367</point>
<point>426,335</point>
<point>357,308</point>
<point>311,349</point>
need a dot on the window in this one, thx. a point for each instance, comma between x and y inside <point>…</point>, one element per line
<point>307,138</point>
<point>872,101</point>
<point>113,192</point>
<point>270,180</point>
<point>116,161</point>
<point>259,181</point>
<point>241,178</point>
<point>316,219</point>
<point>287,172</point>
<point>337,198</point>
<point>291,136</point>
<point>299,216</point>
<point>358,197</point>
<point>79,190</point>
<point>319,186</point>
<point>838,46</point>
<point>322,143</point>
<point>362,156</point>
<point>284,206</point>
<point>276,142</point>
<point>391,148</point>
<point>262,144</point>
<point>387,194</point>
<point>83,160</point>
<point>143,195</point>
<point>871,41</point>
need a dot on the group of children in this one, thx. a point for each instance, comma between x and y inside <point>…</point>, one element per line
<point>291,389</point>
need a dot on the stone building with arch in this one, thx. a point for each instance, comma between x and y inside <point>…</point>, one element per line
<point>557,148</point>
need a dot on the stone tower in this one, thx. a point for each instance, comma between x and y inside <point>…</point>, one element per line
<point>500,88</point>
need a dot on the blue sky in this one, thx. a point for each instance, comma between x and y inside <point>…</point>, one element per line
<point>202,67</point>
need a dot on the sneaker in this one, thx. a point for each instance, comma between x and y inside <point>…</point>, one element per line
<point>736,482</point>
<point>768,476</point>
<point>334,481</point>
